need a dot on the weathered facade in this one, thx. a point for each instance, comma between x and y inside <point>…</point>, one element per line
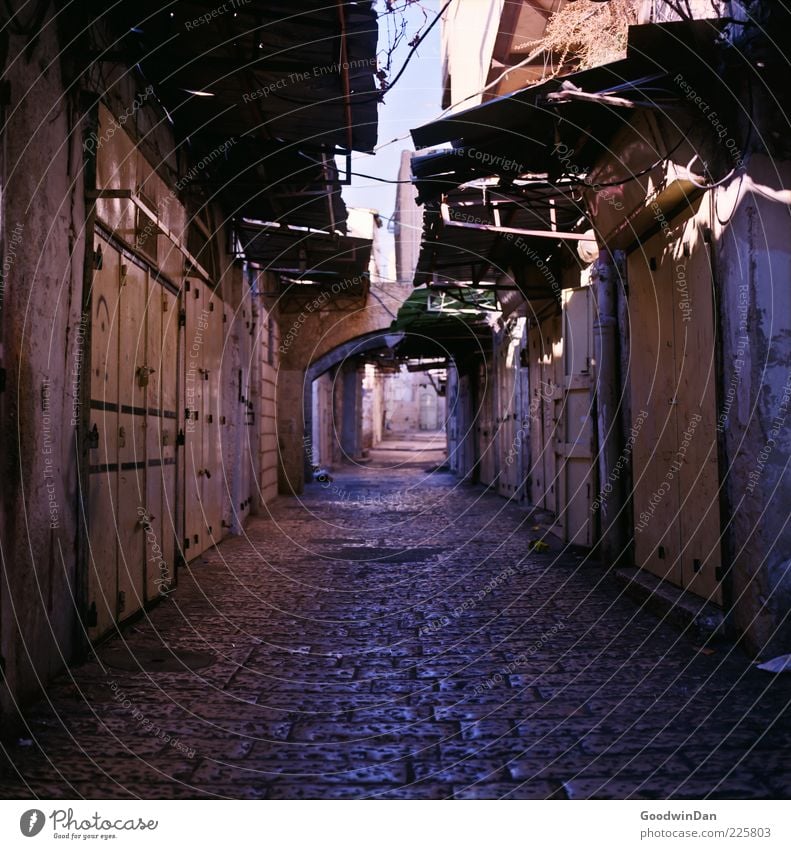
<point>630,221</point>
<point>151,219</point>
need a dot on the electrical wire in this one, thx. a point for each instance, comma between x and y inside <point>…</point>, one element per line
<point>692,179</point>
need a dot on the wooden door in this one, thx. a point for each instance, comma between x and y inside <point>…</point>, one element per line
<point>161,435</point>
<point>675,498</point>
<point>103,463</point>
<point>510,448</point>
<point>698,478</point>
<point>486,422</point>
<point>545,360</point>
<point>574,435</point>
<point>133,409</point>
<point>168,393</point>
<point>213,470</point>
<point>523,420</point>
<point>652,371</point>
<point>195,401</point>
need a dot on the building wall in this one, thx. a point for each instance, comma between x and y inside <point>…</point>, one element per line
<point>461,418</point>
<point>731,379</point>
<point>323,441</point>
<point>404,394</point>
<point>98,360</point>
<point>266,384</point>
<point>373,406</point>
<point>469,31</point>
<point>753,257</point>
<point>42,343</point>
<point>408,222</point>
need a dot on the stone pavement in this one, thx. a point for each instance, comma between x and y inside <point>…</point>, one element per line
<point>392,635</point>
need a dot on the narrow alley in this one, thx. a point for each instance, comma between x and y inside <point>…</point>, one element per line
<point>394,405</point>
<point>391,635</point>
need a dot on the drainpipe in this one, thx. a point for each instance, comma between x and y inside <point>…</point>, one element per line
<point>611,501</point>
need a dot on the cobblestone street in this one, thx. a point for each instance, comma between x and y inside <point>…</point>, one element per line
<point>392,635</point>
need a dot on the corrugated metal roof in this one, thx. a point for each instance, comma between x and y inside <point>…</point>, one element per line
<point>271,76</point>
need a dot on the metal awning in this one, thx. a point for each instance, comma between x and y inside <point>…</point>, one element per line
<point>267,68</point>
<point>281,183</point>
<point>490,238</point>
<point>503,203</point>
<point>307,257</point>
<point>437,324</point>
<point>578,114</point>
<point>288,86</point>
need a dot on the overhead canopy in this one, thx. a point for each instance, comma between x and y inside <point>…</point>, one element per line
<point>289,85</point>
<point>280,182</point>
<point>307,256</point>
<point>275,70</point>
<point>577,114</point>
<point>505,197</point>
<point>481,234</point>
<point>439,325</point>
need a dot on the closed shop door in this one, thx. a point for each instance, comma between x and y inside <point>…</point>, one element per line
<point>213,473</point>
<point>133,408</point>
<point>675,498</point>
<point>134,346</point>
<point>486,422</point>
<point>574,434</point>
<point>103,456</point>
<point>509,444</point>
<point>467,437</point>
<point>160,372</point>
<point>545,367</point>
<point>203,464</point>
<point>196,395</point>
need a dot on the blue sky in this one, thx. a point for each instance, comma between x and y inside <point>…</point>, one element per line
<point>414,100</point>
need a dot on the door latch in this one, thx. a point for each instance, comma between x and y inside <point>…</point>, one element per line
<point>143,373</point>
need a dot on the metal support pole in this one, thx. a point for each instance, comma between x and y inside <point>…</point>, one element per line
<point>610,500</point>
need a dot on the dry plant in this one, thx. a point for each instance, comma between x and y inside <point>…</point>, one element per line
<point>585,34</point>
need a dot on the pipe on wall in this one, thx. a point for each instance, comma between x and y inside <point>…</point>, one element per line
<point>607,389</point>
